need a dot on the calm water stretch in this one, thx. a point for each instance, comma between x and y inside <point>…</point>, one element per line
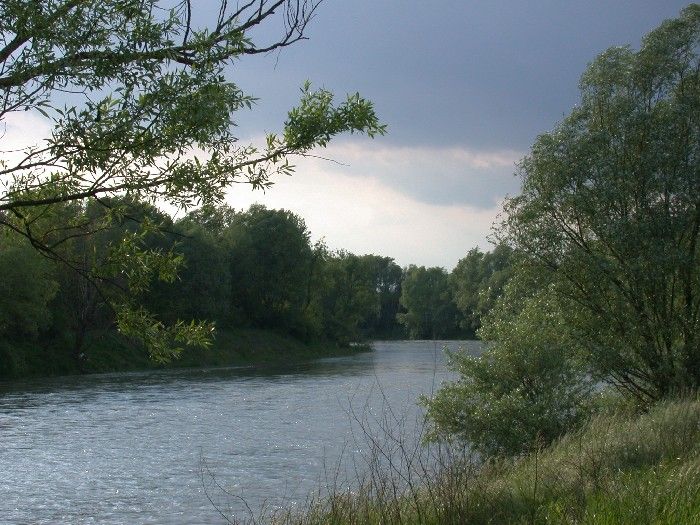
<point>156,447</point>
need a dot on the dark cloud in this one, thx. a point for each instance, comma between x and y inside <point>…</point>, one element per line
<point>465,87</point>
<point>472,73</point>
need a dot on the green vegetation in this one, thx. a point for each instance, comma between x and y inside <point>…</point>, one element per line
<point>139,102</point>
<point>150,119</point>
<point>254,275</point>
<point>609,214</point>
<point>605,280</point>
<point>108,351</point>
<point>477,282</point>
<point>435,304</point>
<point>426,297</point>
<point>595,280</point>
<point>225,269</point>
<point>620,468</point>
<point>524,390</point>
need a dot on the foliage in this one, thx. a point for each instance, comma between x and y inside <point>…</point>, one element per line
<point>525,390</point>
<point>270,264</point>
<point>152,87</point>
<point>607,284</point>
<point>202,289</point>
<point>386,280</point>
<point>350,296</point>
<point>610,209</point>
<point>426,297</point>
<point>243,270</point>
<point>478,281</point>
<point>26,288</point>
<point>140,105</point>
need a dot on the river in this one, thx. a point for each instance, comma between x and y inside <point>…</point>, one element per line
<point>170,447</point>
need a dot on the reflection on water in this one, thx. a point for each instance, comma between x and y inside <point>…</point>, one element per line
<point>134,447</point>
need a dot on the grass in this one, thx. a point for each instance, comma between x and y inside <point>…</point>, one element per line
<point>107,351</point>
<point>620,468</point>
<point>250,347</point>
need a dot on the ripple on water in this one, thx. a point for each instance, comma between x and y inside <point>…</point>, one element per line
<point>143,447</point>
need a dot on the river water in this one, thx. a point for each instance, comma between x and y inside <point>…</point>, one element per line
<point>171,447</point>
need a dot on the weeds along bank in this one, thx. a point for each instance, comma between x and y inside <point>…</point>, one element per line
<point>109,352</point>
<point>619,468</point>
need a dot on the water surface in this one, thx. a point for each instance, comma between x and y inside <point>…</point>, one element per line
<point>156,447</point>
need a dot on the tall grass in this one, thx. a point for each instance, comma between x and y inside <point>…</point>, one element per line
<point>620,468</point>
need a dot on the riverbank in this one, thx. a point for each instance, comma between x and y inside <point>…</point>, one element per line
<point>107,351</point>
<point>620,468</point>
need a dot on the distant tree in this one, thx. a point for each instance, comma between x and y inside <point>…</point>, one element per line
<point>426,297</point>
<point>498,267</point>
<point>210,218</point>
<point>202,289</point>
<point>478,281</point>
<point>467,279</point>
<point>350,298</point>
<point>270,260</point>
<point>26,288</point>
<point>386,278</point>
<point>610,210</point>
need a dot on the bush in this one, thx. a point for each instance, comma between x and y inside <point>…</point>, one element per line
<point>524,391</point>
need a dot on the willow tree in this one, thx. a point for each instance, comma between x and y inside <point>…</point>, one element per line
<point>607,281</point>
<point>610,209</point>
<point>140,106</point>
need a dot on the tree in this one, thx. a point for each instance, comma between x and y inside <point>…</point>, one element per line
<point>385,282</point>
<point>466,280</point>
<point>426,297</point>
<point>141,106</point>
<point>270,260</point>
<point>528,387</point>
<point>607,284</point>
<point>610,209</point>
<point>349,296</point>
<point>26,288</point>
<point>203,286</point>
<point>478,281</point>
<point>82,305</point>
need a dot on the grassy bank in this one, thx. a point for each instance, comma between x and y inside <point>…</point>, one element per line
<point>109,352</point>
<point>621,468</point>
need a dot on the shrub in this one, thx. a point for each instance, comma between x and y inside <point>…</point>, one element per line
<point>525,390</point>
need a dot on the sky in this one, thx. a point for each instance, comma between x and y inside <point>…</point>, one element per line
<point>464,87</point>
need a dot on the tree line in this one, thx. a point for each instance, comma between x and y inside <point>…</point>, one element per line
<point>218,267</point>
<point>152,114</point>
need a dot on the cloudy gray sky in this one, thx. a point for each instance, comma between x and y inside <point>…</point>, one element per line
<point>464,86</point>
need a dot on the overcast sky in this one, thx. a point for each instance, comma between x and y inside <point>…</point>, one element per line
<point>464,87</point>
